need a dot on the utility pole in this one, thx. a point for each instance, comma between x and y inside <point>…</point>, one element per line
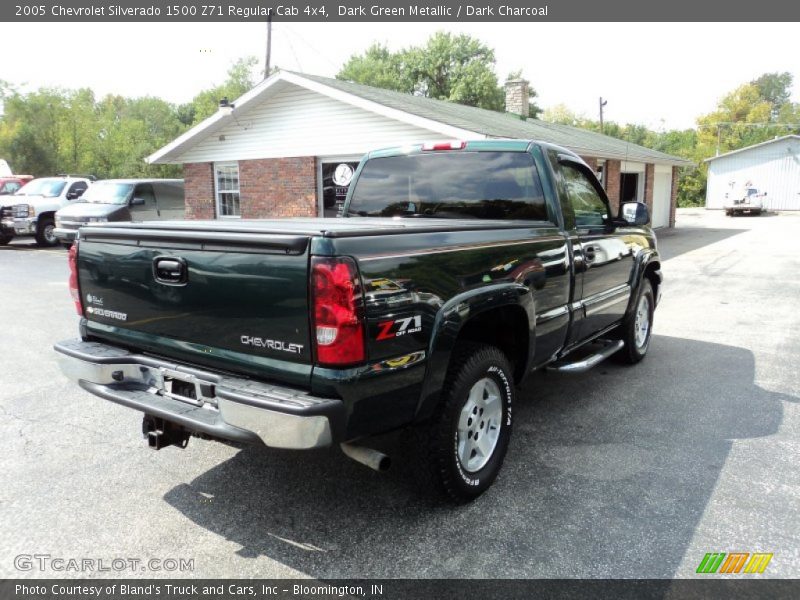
<point>269,46</point>
<point>602,104</point>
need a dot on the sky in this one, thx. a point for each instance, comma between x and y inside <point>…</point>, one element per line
<point>663,75</point>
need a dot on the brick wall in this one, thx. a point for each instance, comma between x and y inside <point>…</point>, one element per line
<point>673,199</point>
<point>272,187</point>
<point>278,187</point>
<point>649,178</point>
<point>199,186</point>
<point>591,161</point>
<point>612,169</point>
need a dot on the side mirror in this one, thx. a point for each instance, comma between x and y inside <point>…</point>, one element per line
<point>137,202</point>
<point>73,195</point>
<point>635,213</point>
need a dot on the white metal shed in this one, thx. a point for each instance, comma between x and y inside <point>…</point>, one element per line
<point>772,167</point>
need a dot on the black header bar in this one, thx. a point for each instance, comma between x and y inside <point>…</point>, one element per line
<point>396,589</point>
<point>528,11</point>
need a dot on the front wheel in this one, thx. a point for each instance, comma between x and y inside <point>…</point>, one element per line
<point>469,436</point>
<point>5,238</point>
<point>45,233</point>
<point>637,327</point>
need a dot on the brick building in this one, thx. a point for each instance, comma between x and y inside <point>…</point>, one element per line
<point>288,147</point>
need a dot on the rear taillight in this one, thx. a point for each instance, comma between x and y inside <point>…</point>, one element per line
<point>73,278</point>
<point>336,301</point>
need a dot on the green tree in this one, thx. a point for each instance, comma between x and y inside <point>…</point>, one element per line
<point>379,67</point>
<point>775,88</point>
<point>241,78</point>
<point>456,68</point>
<point>30,131</point>
<point>49,131</point>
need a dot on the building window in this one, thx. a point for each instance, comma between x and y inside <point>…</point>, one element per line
<point>334,174</point>
<point>226,181</point>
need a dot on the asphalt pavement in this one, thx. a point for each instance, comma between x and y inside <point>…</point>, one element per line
<point>618,472</point>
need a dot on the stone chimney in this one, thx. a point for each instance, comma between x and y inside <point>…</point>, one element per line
<point>517,96</point>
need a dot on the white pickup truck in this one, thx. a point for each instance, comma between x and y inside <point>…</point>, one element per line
<point>746,199</point>
<point>31,210</point>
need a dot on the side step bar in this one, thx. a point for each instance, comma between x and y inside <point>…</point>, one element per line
<point>584,364</point>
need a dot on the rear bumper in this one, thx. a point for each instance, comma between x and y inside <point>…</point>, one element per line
<point>231,408</point>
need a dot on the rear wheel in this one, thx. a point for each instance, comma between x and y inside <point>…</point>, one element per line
<point>45,232</point>
<point>637,327</point>
<point>468,437</point>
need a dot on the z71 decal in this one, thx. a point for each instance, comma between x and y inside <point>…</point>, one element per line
<point>392,329</point>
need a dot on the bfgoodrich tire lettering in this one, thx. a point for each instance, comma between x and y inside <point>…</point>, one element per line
<point>469,436</point>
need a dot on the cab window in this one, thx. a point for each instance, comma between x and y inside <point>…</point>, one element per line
<point>145,192</point>
<point>76,190</point>
<point>587,205</point>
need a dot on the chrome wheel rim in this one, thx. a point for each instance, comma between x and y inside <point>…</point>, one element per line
<point>642,322</point>
<point>479,425</point>
<point>50,234</point>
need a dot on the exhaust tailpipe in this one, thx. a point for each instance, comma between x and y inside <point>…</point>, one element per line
<point>373,459</point>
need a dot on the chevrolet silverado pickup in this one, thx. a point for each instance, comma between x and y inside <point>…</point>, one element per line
<point>457,269</point>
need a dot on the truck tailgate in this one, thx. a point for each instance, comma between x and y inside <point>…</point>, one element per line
<point>228,300</point>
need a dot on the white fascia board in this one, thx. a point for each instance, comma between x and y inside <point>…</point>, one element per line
<point>215,121</point>
<point>161,156</point>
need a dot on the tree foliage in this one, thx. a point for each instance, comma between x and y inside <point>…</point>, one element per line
<point>240,79</point>
<point>456,68</point>
<point>51,130</point>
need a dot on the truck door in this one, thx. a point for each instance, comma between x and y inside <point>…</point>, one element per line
<point>603,260</point>
<point>171,201</point>
<point>143,203</point>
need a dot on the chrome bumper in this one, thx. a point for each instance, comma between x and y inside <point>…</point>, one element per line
<point>64,234</point>
<point>21,226</point>
<point>226,407</point>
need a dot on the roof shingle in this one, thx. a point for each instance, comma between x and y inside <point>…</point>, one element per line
<point>503,125</point>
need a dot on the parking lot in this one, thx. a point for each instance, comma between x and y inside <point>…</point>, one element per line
<point>618,472</point>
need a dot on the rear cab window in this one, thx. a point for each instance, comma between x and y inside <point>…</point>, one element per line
<point>457,185</point>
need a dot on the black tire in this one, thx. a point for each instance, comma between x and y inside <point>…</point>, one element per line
<point>44,233</point>
<point>636,345</point>
<point>472,365</point>
<point>5,239</point>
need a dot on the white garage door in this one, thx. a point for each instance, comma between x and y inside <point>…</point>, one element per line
<point>662,188</point>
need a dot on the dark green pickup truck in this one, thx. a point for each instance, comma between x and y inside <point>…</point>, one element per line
<point>459,268</point>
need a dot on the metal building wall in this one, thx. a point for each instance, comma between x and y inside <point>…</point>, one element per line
<point>772,168</point>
